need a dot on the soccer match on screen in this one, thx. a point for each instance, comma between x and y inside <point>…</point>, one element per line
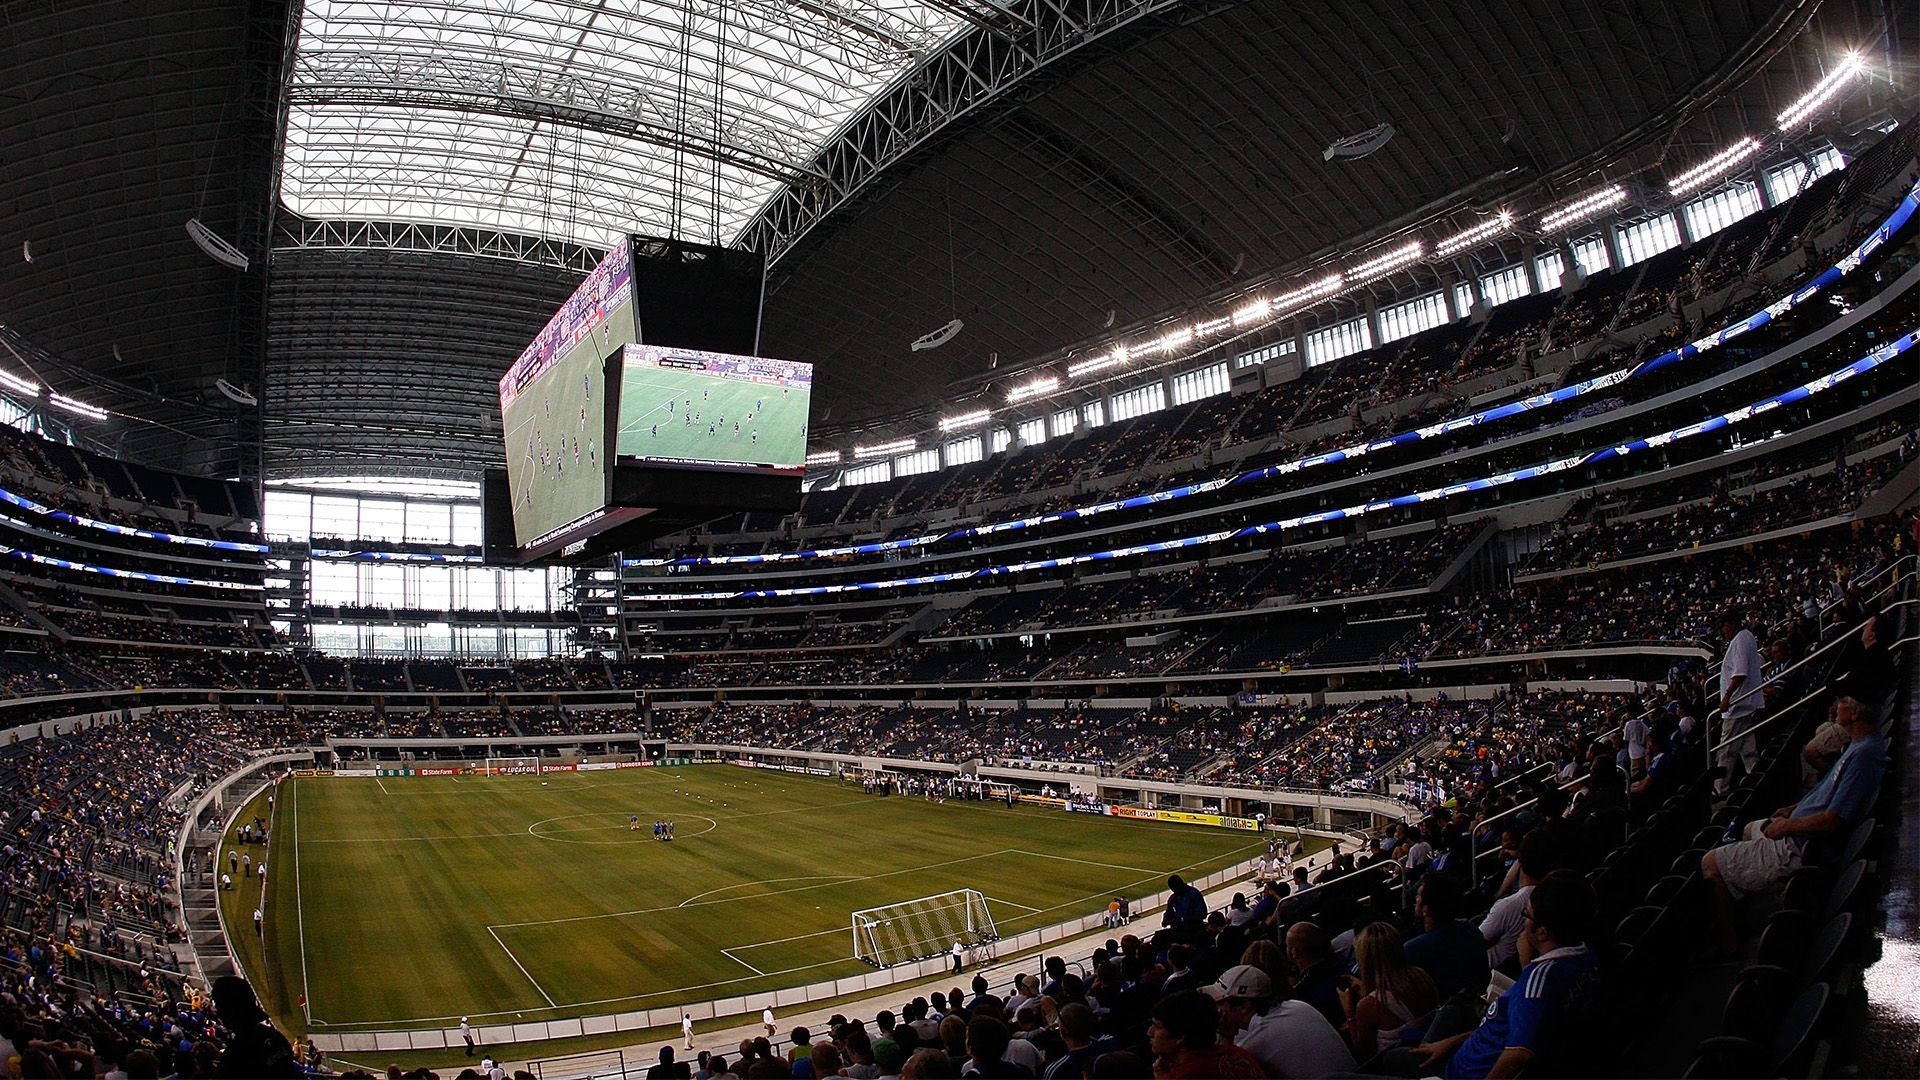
<point>685,406</point>
<point>948,539</point>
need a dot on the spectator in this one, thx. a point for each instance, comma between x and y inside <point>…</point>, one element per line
<point>929,1065</point>
<point>1390,995</point>
<point>986,1044</point>
<point>1288,1038</point>
<point>1537,1018</point>
<point>1449,948</point>
<point>255,1048</point>
<point>1079,1030</point>
<point>1505,921</point>
<point>1772,849</point>
<point>1186,907</point>
<point>1739,703</point>
<point>1317,974</point>
<point>1184,1037</point>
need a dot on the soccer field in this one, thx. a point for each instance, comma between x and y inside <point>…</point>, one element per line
<point>410,902</point>
<point>649,428</point>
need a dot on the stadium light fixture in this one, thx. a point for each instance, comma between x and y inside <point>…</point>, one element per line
<point>1466,238</point>
<point>1590,205</point>
<point>1257,310</point>
<point>1172,341</point>
<point>1823,91</point>
<point>1307,294</point>
<point>965,420</point>
<point>76,406</point>
<point>1098,363</point>
<point>1045,384</point>
<point>1209,327</point>
<point>825,457</point>
<point>1714,167</point>
<point>1381,265</point>
<point>885,449</point>
<point>14,382</point>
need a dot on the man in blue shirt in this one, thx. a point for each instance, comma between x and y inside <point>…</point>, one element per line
<point>1450,949</point>
<point>1772,849</point>
<point>1185,906</point>
<point>1537,1016</point>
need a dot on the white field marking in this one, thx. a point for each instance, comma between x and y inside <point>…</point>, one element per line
<point>522,967</point>
<point>762,881</point>
<point>641,420</point>
<point>756,896</point>
<point>621,827</point>
<point>383,786</point>
<point>1085,862</point>
<point>719,982</point>
<point>743,963</point>
<point>1010,903</point>
<point>796,937</point>
<point>299,903</point>
<point>600,1001</point>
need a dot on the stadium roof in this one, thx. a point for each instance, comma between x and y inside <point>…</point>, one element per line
<point>581,119</point>
<point>1037,168</point>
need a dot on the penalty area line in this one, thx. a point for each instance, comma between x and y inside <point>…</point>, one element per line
<point>523,968</point>
<point>728,953</point>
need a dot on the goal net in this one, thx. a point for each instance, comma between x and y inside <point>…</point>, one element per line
<point>917,929</point>
<point>513,766</point>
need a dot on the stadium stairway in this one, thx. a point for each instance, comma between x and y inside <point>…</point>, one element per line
<point>201,912</point>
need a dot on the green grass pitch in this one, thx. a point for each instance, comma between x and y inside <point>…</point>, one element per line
<point>781,419</point>
<point>411,902</point>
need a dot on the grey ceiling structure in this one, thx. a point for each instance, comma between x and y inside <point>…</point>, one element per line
<point>417,185</point>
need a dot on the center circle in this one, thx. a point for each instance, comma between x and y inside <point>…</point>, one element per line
<point>620,824</point>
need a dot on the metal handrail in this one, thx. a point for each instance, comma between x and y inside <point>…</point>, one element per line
<point>1757,688</point>
<point>1761,685</point>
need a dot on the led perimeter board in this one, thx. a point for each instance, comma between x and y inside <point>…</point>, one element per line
<point>694,409</point>
<point>553,407</point>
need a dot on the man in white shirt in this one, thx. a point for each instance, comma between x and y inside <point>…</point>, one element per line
<point>686,1028</point>
<point>1507,918</point>
<point>1740,700</point>
<point>1289,1038</point>
<point>466,1035</point>
<point>1636,731</point>
<point>959,954</point>
<point>766,1021</point>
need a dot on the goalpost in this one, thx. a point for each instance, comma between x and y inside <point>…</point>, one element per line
<point>512,766</point>
<point>918,929</point>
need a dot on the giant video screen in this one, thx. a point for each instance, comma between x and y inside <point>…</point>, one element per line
<point>706,410</point>
<point>553,405</point>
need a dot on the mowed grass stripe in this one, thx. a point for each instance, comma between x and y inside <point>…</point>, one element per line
<point>411,902</point>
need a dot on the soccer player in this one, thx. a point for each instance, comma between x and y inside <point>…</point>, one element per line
<point>633,822</point>
<point>656,431</point>
<point>756,436</point>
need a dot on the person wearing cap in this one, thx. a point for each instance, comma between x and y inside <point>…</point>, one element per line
<point>1288,1038</point>
<point>888,1059</point>
<point>466,1035</point>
